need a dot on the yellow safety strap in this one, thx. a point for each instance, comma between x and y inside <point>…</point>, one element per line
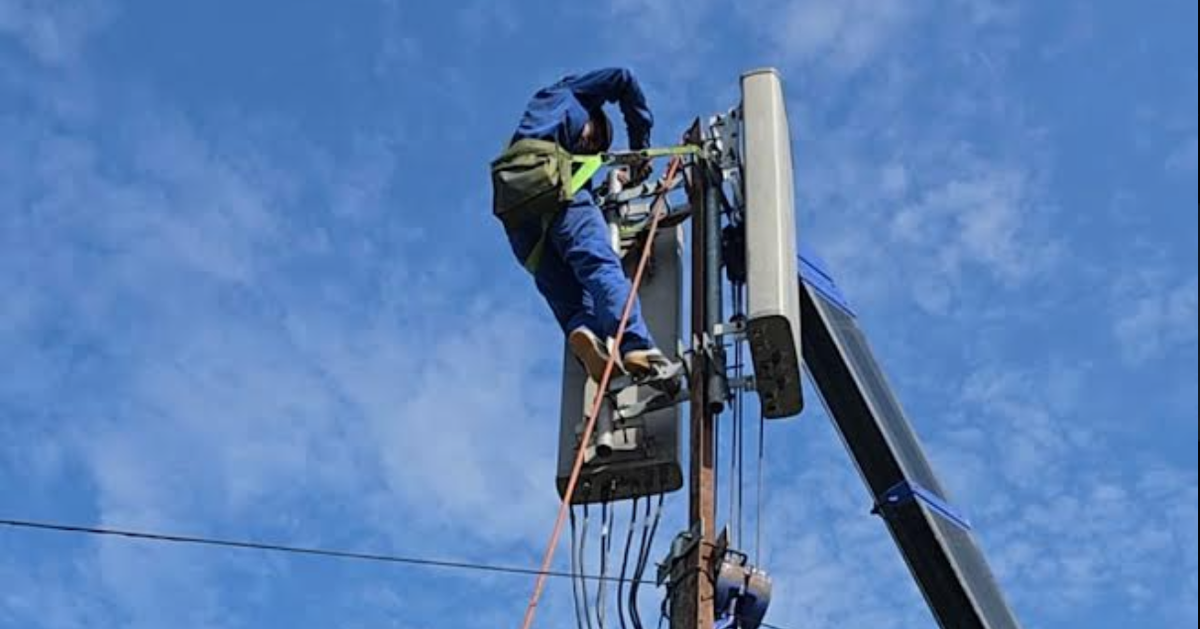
<point>589,165</point>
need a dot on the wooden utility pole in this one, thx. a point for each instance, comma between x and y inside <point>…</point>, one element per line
<point>692,602</point>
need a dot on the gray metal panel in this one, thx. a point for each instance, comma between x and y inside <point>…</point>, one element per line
<point>654,468</point>
<point>885,409</point>
<point>773,322</point>
<point>945,559</point>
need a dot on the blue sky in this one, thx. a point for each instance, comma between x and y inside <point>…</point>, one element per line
<point>251,288</point>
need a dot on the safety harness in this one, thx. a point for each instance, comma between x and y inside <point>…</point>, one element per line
<point>536,179</point>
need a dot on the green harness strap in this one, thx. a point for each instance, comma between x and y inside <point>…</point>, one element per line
<point>623,157</point>
<point>589,165</point>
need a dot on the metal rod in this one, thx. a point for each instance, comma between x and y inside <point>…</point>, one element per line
<point>758,494</point>
<point>714,312</point>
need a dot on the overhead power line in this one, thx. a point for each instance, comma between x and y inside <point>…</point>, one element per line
<point>297,550</point>
<point>316,552</point>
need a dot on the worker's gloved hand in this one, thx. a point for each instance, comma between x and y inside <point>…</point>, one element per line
<point>639,171</point>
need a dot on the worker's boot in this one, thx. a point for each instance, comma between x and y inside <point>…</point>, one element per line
<point>591,351</point>
<point>647,363</point>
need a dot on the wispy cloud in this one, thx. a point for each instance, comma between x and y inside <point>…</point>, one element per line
<point>429,398</point>
<point>983,219</point>
<point>54,33</point>
<point>40,595</point>
<point>495,19</point>
<point>653,31</point>
<point>1154,313</point>
<point>840,37</point>
<point>828,555</point>
<point>984,13</point>
<point>254,323</point>
<point>398,45</point>
<point>259,342</point>
<point>1020,459</point>
<point>1182,159</point>
<point>884,153</point>
<point>951,220</point>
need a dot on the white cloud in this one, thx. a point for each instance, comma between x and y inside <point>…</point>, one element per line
<point>984,13</point>
<point>258,356</point>
<point>398,47</point>
<point>833,563</point>
<point>894,180</point>
<point>243,357</point>
<point>54,33</point>
<point>45,596</point>
<point>481,19</point>
<point>900,193</point>
<point>1030,435</point>
<point>836,35</point>
<point>1154,315</point>
<point>673,47</point>
<point>191,417</point>
<point>1066,524</point>
<point>1055,506</point>
<point>654,30</point>
<point>1182,159</point>
<point>980,219</point>
<point>449,413</point>
<point>1079,31</point>
<point>945,229</point>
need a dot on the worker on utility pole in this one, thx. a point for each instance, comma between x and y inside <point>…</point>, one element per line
<point>557,232</point>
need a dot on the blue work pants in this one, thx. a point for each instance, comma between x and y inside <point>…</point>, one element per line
<point>580,275</point>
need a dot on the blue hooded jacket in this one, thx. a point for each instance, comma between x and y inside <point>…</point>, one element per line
<point>558,112</point>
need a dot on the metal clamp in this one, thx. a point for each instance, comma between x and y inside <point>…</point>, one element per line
<point>683,544</point>
<point>744,383</point>
<point>906,491</point>
<point>734,329</point>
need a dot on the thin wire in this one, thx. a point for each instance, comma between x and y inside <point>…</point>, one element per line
<point>575,571</point>
<point>625,562</point>
<point>296,550</point>
<point>658,511</point>
<point>634,614</point>
<point>606,515</point>
<point>644,559</point>
<point>663,607</point>
<point>587,608</point>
